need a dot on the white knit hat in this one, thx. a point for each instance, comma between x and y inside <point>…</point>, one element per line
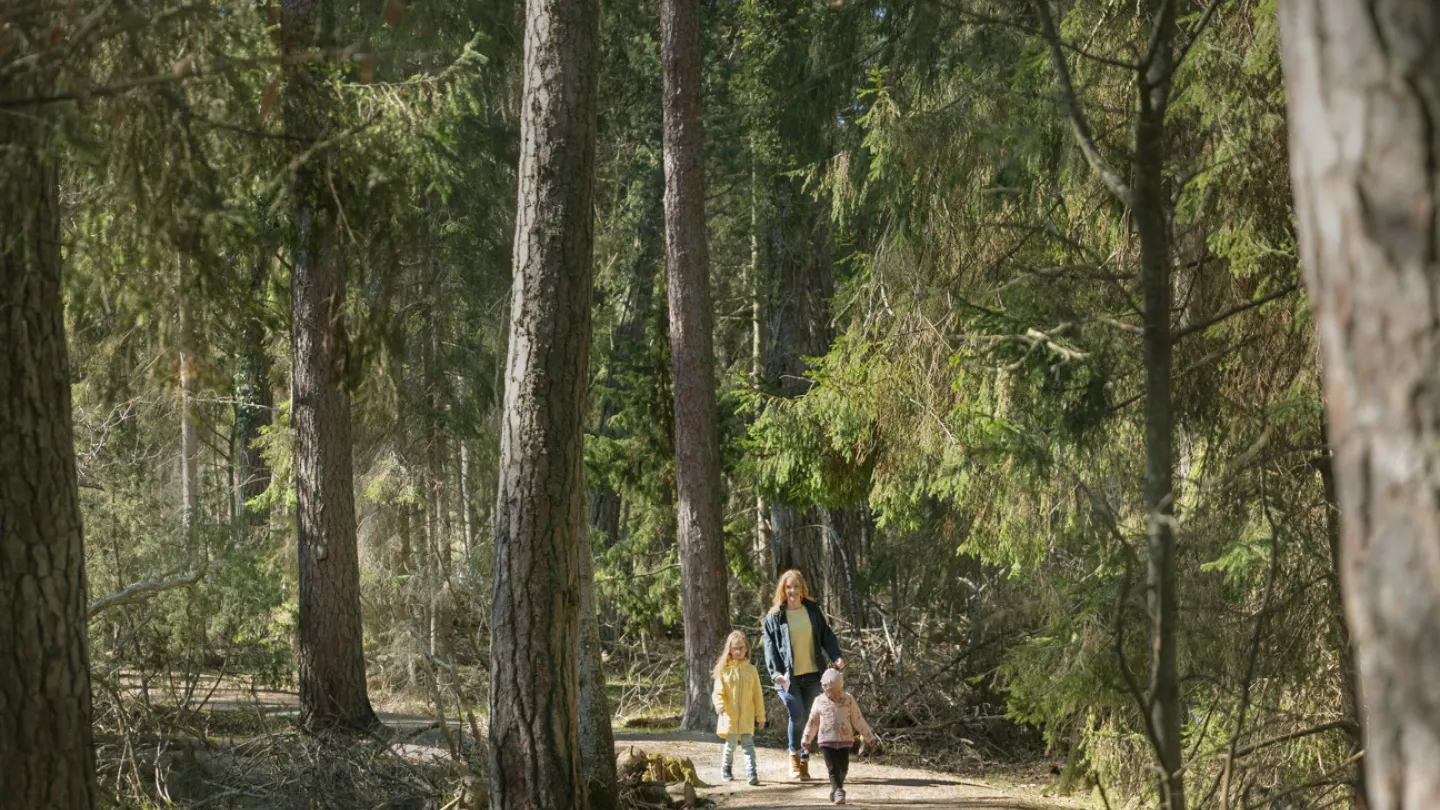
<point>831,677</point>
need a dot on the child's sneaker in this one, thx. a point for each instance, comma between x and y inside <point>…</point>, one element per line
<point>839,797</point>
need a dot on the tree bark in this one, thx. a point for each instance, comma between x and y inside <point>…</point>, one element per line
<point>597,739</point>
<point>1339,629</point>
<point>47,760</point>
<point>333,691</point>
<point>535,759</point>
<point>705,599</point>
<point>1150,209</point>
<point>1363,96</point>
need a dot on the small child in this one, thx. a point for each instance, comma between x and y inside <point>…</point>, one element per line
<point>836,719</point>
<point>739,703</point>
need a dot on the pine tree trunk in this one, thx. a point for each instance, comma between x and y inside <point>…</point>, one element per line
<point>252,410</point>
<point>704,593</point>
<point>1150,209</point>
<point>189,431</point>
<point>535,759</point>
<point>437,508</point>
<point>332,664</point>
<point>597,739</point>
<point>1339,630</point>
<point>47,761</point>
<point>1363,96</point>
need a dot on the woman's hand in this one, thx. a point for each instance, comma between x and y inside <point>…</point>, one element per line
<point>839,663</point>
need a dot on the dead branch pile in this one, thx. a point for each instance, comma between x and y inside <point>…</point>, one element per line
<point>252,758</point>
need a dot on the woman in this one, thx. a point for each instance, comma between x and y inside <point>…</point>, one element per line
<point>797,642</point>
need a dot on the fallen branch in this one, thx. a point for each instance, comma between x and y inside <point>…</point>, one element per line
<point>142,591</point>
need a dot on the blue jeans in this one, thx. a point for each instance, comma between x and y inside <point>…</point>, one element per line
<point>803,691</point>
<point>747,744</point>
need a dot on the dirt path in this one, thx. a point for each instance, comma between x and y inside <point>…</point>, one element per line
<point>869,785</point>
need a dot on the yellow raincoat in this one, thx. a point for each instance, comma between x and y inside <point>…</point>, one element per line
<point>738,699</point>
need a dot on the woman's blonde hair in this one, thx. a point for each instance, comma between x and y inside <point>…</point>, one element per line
<point>799,578</point>
<point>725,652</point>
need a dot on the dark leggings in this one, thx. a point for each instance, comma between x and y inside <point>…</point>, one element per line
<point>837,762</point>
<point>798,701</point>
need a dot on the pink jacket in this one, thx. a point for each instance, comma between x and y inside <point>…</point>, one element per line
<point>837,723</point>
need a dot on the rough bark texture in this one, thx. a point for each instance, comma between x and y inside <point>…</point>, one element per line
<point>332,662</point>
<point>705,599</point>
<point>1363,92</point>
<point>47,761</point>
<point>597,739</point>
<point>535,757</point>
<point>1338,628</point>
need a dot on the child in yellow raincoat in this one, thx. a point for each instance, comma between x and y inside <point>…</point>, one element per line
<point>739,704</point>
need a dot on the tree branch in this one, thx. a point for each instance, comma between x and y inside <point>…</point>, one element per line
<point>1195,34</point>
<point>1069,101</point>
<point>142,591</point>
<point>1230,313</point>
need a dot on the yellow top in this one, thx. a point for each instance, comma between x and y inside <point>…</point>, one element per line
<point>802,640</point>
<point>738,699</point>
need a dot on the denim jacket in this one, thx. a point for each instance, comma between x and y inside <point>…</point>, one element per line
<point>779,660</point>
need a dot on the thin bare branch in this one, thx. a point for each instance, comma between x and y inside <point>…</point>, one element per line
<point>1230,313</point>
<point>1071,104</point>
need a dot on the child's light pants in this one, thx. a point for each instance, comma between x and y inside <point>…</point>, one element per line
<point>747,742</point>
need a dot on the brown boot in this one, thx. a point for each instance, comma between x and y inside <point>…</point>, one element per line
<point>795,766</point>
<point>804,771</point>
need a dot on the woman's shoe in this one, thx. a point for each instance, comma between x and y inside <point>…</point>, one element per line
<point>726,774</point>
<point>804,771</point>
<point>754,780</point>
<point>795,766</point>
<point>839,797</point>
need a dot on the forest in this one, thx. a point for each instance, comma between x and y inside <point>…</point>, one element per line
<point>402,402</point>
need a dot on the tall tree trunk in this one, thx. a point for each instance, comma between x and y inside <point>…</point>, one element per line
<point>597,739</point>
<point>47,759</point>
<point>1339,629</point>
<point>1363,95</point>
<point>1148,201</point>
<point>535,759</point>
<point>1150,209</point>
<point>705,599</point>
<point>798,539</point>
<point>437,507</point>
<point>467,506</point>
<point>843,528</point>
<point>332,662</point>
<point>253,402</point>
<point>796,326</point>
<point>189,432</point>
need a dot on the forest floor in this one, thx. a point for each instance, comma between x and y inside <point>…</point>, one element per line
<point>883,782</point>
<point>869,784</point>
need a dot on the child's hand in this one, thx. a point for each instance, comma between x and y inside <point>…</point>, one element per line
<point>760,723</point>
